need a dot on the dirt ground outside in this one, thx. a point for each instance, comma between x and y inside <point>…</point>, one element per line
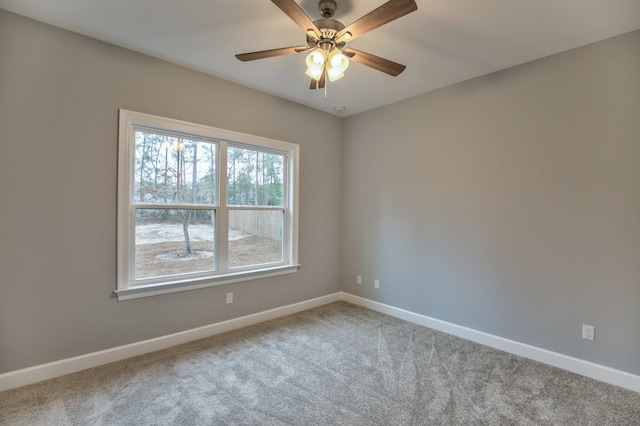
<point>160,250</point>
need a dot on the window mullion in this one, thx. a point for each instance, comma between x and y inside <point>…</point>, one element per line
<point>255,199</point>
<point>222,228</point>
<point>174,206</point>
<point>237,207</point>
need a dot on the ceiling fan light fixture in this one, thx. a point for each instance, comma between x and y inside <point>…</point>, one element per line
<point>337,63</point>
<point>315,64</point>
<point>316,59</point>
<point>334,74</point>
<point>338,60</point>
<point>315,72</point>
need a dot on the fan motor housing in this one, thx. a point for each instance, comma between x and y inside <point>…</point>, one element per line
<point>329,28</point>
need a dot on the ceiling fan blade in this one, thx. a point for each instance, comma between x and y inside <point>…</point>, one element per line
<point>315,84</point>
<point>375,62</point>
<point>252,56</point>
<point>389,11</point>
<point>293,11</point>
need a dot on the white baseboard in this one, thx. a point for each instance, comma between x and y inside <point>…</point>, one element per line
<point>575,365</point>
<point>14,379</point>
<point>50,370</point>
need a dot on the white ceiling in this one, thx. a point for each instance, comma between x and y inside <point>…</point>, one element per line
<point>443,42</point>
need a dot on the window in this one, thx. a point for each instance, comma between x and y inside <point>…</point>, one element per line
<point>200,206</point>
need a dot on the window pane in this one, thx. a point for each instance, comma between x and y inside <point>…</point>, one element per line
<point>170,242</point>
<point>169,170</point>
<point>255,237</point>
<point>254,178</point>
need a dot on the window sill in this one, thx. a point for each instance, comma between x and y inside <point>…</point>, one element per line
<point>174,287</point>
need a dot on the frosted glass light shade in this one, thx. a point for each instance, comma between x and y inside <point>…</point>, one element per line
<point>314,72</point>
<point>316,59</point>
<point>334,74</point>
<point>338,60</point>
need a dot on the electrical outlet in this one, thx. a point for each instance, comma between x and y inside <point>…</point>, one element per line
<point>588,332</point>
<point>229,298</point>
<point>376,283</point>
<point>359,279</point>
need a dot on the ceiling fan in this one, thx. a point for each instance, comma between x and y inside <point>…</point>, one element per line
<point>327,39</point>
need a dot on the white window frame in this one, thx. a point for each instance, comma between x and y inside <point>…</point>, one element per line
<point>127,286</point>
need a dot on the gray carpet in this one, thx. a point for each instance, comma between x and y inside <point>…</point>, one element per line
<point>335,365</point>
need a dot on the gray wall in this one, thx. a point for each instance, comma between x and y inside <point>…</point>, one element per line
<point>509,203</point>
<point>59,100</point>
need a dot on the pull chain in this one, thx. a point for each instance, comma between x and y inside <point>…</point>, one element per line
<point>326,81</point>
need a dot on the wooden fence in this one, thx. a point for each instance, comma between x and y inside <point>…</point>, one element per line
<point>262,223</point>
